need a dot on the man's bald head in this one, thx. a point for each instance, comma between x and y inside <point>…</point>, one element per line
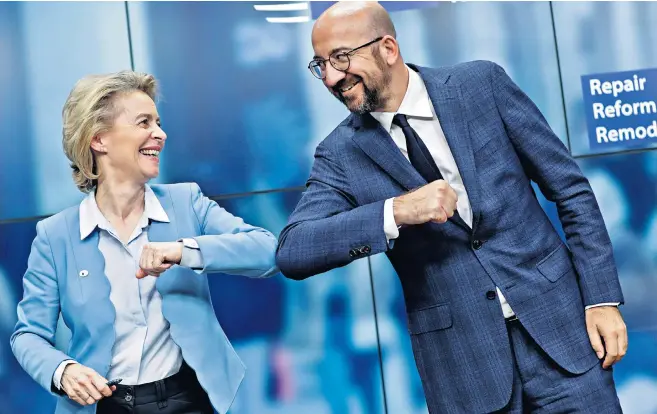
<point>357,55</point>
<point>368,18</point>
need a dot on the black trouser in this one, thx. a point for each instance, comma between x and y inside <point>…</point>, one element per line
<point>178,394</point>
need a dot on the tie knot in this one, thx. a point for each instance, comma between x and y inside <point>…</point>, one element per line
<point>400,120</point>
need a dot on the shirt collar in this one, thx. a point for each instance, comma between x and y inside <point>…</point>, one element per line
<point>416,102</point>
<point>91,217</point>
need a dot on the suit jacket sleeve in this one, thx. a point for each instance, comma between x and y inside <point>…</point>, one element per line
<point>34,336</point>
<point>328,229</point>
<point>548,163</point>
<point>228,244</point>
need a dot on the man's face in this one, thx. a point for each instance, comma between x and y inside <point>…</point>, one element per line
<point>362,76</point>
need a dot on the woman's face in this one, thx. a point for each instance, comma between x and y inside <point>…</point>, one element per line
<point>131,149</point>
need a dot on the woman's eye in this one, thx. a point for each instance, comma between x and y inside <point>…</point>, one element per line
<point>144,122</point>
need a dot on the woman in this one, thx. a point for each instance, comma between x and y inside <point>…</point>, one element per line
<point>126,269</point>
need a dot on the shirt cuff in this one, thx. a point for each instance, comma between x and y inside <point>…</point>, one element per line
<point>602,304</point>
<point>389,226</point>
<point>191,255</point>
<point>57,376</point>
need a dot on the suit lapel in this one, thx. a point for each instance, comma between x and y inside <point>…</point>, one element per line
<point>163,231</point>
<point>447,102</point>
<point>89,274</point>
<point>379,146</point>
<point>166,232</point>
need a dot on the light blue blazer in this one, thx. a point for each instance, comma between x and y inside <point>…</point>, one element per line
<point>52,285</point>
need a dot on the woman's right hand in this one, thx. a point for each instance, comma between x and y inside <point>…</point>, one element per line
<point>84,385</point>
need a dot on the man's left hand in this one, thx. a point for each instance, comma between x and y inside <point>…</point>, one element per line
<point>605,323</point>
<point>158,257</point>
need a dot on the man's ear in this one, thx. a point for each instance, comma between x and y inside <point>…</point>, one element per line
<point>389,50</point>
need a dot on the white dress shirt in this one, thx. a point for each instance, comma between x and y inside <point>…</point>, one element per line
<point>143,351</point>
<point>421,116</point>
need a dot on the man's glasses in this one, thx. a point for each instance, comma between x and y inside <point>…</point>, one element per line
<point>339,60</point>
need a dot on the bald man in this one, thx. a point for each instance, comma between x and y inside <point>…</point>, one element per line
<point>434,168</point>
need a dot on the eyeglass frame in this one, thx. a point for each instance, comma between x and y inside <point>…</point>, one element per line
<point>347,53</point>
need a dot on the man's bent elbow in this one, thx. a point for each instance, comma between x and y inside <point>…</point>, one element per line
<point>293,257</point>
<point>289,267</point>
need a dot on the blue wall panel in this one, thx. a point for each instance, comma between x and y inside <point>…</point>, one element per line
<point>44,49</point>
<point>600,37</point>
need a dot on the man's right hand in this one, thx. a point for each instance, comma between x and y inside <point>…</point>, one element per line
<point>435,202</point>
<point>84,385</point>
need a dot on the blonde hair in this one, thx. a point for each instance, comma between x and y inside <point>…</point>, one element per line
<point>89,110</point>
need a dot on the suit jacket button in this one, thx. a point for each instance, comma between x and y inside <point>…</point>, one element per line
<point>490,295</point>
<point>476,244</point>
<point>365,249</point>
<point>353,253</point>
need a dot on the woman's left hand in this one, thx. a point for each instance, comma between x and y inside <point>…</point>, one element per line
<point>158,257</point>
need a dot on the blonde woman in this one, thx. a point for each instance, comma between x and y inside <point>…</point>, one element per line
<point>126,268</point>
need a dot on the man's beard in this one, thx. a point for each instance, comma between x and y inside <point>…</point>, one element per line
<point>372,100</point>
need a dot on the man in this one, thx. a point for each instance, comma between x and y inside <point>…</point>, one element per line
<point>502,314</point>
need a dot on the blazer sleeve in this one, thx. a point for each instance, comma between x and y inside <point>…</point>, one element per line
<point>33,339</point>
<point>548,163</point>
<point>228,244</point>
<point>328,229</point>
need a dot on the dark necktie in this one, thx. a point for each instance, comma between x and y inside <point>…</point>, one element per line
<point>418,153</point>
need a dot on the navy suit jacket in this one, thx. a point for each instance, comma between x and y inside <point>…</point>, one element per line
<point>501,143</point>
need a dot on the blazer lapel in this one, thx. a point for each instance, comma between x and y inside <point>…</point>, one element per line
<point>447,102</point>
<point>89,274</point>
<point>163,231</point>
<point>166,232</point>
<point>159,231</point>
<point>379,146</point>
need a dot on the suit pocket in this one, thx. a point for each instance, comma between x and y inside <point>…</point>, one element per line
<point>430,319</point>
<point>556,264</point>
<point>487,150</point>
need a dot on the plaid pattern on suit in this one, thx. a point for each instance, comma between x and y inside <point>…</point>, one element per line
<point>501,142</point>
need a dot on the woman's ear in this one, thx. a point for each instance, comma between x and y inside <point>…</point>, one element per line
<point>98,145</point>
